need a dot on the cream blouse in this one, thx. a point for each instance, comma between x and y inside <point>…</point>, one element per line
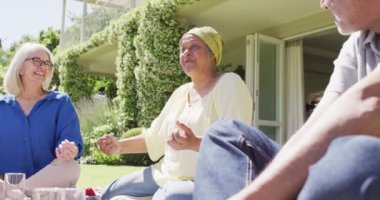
<point>229,98</point>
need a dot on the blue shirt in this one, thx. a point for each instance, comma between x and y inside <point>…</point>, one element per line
<point>27,143</point>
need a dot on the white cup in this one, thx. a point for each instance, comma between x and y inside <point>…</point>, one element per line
<point>14,186</point>
<point>49,193</point>
<point>74,194</point>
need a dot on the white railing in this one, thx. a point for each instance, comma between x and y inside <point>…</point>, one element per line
<point>94,17</point>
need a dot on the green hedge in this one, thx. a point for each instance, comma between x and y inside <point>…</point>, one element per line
<point>158,72</point>
<point>126,61</point>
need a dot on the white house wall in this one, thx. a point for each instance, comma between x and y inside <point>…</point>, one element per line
<point>234,52</point>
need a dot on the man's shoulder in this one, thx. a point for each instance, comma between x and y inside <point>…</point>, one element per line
<point>363,38</point>
<point>356,38</point>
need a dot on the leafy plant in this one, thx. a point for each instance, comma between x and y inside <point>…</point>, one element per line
<point>96,118</point>
<point>100,158</point>
<point>158,72</point>
<point>126,62</point>
<point>49,38</point>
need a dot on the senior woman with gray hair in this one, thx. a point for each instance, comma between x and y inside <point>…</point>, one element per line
<point>39,129</point>
<point>176,133</point>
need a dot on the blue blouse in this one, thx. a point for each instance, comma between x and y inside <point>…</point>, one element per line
<point>27,143</point>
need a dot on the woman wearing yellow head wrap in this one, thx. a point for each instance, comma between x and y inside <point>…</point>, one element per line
<point>176,133</point>
<point>212,39</point>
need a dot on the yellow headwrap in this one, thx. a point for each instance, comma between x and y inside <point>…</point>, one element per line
<point>212,39</point>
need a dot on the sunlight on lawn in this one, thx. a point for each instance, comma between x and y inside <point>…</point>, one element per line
<point>101,175</point>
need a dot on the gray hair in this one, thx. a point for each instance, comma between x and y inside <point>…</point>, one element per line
<point>12,82</point>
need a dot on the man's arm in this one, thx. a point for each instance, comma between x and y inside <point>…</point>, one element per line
<point>354,112</point>
<point>327,99</point>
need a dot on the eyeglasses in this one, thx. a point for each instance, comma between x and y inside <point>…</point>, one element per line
<point>38,62</point>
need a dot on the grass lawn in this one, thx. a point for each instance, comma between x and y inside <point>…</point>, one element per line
<point>101,175</point>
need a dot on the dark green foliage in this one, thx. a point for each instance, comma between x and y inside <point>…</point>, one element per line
<point>90,140</point>
<point>159,71</point>
<point>125,63</point>
<point>49,38</point>
<point>73,80</point>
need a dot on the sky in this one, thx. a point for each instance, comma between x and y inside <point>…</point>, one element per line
<point>29,17</point>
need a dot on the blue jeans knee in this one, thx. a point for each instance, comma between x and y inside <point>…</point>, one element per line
<point>244,151</point>
<point>349,170</point>
<point>250,140</point>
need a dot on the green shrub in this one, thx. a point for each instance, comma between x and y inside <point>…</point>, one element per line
<point>158,72</point>
<point>131,132</point>
<point>92,155</point>
<point>94,112</point>
<point>126,62</point>
<point>97,118</point>
<point>97,157</point>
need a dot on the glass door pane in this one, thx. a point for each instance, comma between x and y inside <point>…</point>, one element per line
<point>264,77</point>
<point>268,81</point>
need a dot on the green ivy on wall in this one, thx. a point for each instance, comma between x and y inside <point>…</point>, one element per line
<point>147,61</point>
<point>159,71</point>
<point>72,78</point>
<point>126,61</point>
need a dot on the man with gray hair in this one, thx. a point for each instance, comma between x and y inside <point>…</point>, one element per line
<point>334,155</point>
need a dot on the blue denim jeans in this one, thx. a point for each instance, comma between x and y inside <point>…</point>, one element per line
<point>142,184</point>
<point>349,170</point>
<point>232,154</point>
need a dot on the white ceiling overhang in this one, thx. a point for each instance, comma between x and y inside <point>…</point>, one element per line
<point>236,18</point>
<point>99,60</point>
<point>233,19</point>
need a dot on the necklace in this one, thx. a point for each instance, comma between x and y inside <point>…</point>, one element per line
<point>193,98</point>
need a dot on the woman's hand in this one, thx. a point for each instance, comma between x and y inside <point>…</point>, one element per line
<point>184,141</point>
<point>66,150</point>
<point>109,145</point>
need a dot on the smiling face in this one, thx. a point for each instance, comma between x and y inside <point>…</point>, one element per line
<point>32,74</point>
<point>195,56</point>
<point>354,15</point>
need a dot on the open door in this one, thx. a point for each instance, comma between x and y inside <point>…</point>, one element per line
<point>265,78</point>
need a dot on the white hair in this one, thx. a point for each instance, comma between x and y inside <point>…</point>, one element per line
<point>12,82</point>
